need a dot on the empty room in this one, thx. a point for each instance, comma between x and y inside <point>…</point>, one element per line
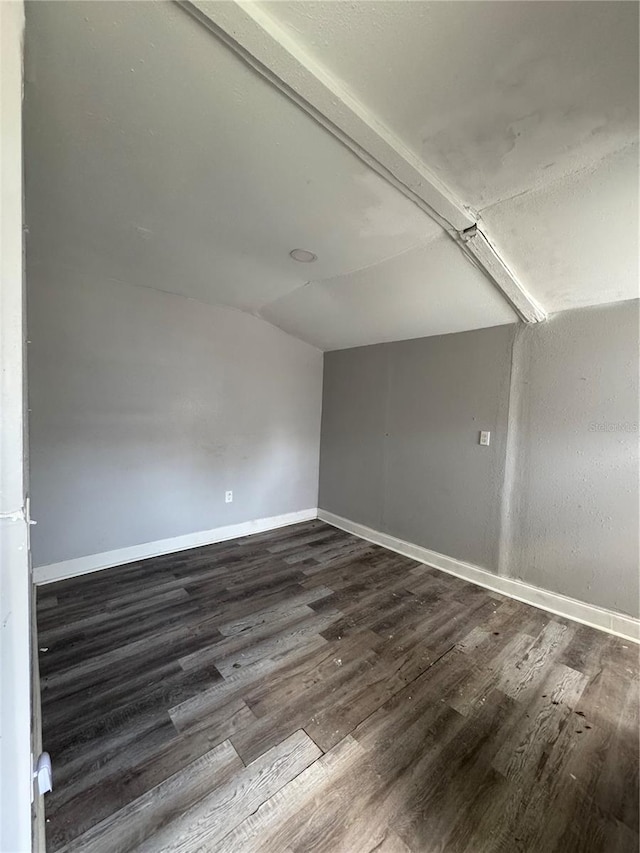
<point>319,523</point>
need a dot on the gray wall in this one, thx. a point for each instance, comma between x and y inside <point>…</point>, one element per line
<point>572,519</point>
<point>554,499</point>
<point>400,450</point>
<point>146,407</point>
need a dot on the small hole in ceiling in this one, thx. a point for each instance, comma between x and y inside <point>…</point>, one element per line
<point>303,255</point>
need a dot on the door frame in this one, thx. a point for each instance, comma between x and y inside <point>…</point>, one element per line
<point>16,762</point>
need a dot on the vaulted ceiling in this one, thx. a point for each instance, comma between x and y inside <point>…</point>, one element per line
<point>452,165</point>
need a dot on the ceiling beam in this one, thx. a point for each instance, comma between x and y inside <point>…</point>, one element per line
<point>262,43</point>
<point>476,246</point>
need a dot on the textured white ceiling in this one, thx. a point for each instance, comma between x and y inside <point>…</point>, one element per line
<point>527,111</point>
<point>413,295</point>
<point>497,97</point>
<point>575,242</point>
<point>156,157</point>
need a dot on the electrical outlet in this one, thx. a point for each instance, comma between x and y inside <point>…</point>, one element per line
<point>228,497</point>
<point>485,438</point>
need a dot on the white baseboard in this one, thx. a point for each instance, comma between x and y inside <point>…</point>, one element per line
<point>561,605</point>
<point>108,559</point>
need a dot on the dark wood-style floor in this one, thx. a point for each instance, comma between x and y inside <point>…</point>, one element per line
<point>304,690</point>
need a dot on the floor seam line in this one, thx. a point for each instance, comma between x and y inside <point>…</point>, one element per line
<point>323,751</point>
<point>281,788</point>
<point>408,684</point>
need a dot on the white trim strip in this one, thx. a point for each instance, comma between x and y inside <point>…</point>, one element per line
<point>475,243</point>
<point>96,562</point>
<point>553,602</point>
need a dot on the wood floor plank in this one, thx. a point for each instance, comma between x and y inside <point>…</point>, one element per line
<point>191,711</point>
<point>296,635</point>
<point>97,622</point>
<point>88,798</point>
<point>207,822</point>
<point>268,614</point>
<point>146,815</point>
<point>237,642</point>
<point>277,823</point>
<point>150,701</point>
